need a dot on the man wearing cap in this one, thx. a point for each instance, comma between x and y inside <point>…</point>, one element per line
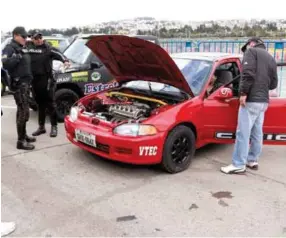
<point>258,77</point>
<point>17,62</point>
<point>42,56</point>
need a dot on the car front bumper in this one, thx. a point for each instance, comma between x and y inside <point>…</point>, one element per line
<point>133,150</point>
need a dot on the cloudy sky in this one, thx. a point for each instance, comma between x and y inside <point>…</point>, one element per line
<point>64,13</point>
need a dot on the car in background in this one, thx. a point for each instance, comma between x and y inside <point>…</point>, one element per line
<point>165,106</point>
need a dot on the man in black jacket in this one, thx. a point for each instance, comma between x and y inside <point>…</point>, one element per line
<point>17,62</point>
<point>42,56</point>
<point>259,76</point>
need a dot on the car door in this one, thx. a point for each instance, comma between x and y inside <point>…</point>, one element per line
<point>275,117</point>
<point>220,115</point>
<point>220,118</point>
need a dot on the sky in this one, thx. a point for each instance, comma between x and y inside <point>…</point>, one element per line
<point>63,13</point>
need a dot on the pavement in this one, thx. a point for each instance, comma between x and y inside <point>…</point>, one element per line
<point>60,190</point>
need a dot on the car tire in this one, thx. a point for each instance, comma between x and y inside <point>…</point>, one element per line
<point>64,98</point>
<point>179,149</point>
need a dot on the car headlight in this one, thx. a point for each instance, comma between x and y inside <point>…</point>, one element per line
<point>74,113</point>
<point>135,130</point>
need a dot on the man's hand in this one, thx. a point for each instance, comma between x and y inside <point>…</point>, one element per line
<point>67,64</point>
<point>242,101</point>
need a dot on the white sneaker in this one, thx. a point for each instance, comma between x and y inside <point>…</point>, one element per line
<point>7,228</point>
<point>231,169</point>
<point>252,165</point>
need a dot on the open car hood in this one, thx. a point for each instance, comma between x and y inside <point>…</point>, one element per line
<point>130,58</point>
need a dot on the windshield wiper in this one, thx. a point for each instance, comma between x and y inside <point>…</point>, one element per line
<point>186,95</point>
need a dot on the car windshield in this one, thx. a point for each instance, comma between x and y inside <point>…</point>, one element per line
<point>63,45</point>
<point>196,72</point>
<point>78,52</point>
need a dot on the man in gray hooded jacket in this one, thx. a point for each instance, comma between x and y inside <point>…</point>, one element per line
<point>258,77</point>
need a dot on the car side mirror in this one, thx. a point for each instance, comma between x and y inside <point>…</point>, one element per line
<point>95,65</point>
<point>223,94</point>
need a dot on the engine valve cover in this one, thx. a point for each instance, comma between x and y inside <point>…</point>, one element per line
<point>133,111</point>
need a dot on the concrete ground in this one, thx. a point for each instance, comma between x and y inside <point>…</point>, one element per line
<point>60,190</point>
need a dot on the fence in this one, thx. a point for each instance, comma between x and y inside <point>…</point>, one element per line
<point>276,48</point>
<point>281,71</point>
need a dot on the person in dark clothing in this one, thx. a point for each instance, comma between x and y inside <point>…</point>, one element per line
<point>42,56</point>
<point>17,62</point>
<point>259,76</point>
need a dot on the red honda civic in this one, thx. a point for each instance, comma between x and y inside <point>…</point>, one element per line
<point>164,107</point>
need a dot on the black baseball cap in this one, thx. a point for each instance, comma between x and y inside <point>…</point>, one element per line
<point>36,34</point>
<point>19,30</point>
<point>255,39</point>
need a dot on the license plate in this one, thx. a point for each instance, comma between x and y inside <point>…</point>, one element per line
<point>85,137</point>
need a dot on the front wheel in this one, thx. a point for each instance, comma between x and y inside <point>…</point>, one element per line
<point>65,98</point>
<point>179,149</point>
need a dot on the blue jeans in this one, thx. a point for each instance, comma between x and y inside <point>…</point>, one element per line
<point>249,128</point>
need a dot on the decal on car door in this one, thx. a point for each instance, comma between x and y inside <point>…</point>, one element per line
<point>268,137</point>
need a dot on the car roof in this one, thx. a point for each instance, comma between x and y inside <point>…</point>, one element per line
<point>209,56</point>
<point>54,38</point>
<point>88,35</point>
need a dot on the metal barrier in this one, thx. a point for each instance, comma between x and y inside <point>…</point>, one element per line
<point>178,46</point>
<point>276,48</point>
<point>281,71</point>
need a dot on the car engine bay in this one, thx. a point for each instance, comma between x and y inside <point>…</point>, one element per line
<point>117,107</point>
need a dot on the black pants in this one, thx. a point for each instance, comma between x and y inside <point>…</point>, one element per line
<point>45,99</point>
<point>21,95</point>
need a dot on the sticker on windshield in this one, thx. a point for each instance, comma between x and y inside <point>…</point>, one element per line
<point>95,76</point>
<point>54,43</point>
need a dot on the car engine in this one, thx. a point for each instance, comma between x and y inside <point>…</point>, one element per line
<point>122,107</point>
<point>116,113</point>
<point>133,111</point>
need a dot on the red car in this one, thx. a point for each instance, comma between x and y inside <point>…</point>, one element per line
<point>165,107</point>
